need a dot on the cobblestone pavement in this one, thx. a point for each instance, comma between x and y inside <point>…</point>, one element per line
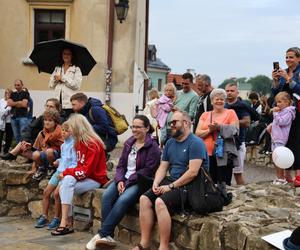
<point>19,233</point>
<point>254,173</point>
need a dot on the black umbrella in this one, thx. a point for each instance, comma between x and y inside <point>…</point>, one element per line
<point>47,55</point>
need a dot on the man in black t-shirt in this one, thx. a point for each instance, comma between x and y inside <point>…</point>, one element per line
<point>19,109</point>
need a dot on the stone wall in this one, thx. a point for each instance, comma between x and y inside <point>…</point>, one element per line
<point>257,209</point>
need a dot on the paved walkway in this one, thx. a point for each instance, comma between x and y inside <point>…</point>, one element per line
<point>19,233</point>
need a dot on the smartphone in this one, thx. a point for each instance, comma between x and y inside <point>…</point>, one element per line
<point>276,65</point>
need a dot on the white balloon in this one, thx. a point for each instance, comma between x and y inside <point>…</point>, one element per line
<point>283,157</point>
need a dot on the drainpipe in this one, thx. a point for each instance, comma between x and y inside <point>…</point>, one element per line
<point>146,51</point>
<point>108,73</point>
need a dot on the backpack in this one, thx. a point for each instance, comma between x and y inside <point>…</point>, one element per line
<point>119,121</point>
<point>116,120</point>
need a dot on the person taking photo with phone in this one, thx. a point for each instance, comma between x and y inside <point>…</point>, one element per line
<point>289,80</point>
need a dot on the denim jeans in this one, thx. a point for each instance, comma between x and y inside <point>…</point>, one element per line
<point>18,124</point>
<point>115,206</point>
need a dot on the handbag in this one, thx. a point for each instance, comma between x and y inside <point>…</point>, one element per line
<point>219,143</point>
<point>202,194</point>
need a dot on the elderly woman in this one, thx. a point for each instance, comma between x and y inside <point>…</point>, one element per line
<point>220,126</point>
<point>140,157</point>
<point>288,80</point>
<point>66,80</point>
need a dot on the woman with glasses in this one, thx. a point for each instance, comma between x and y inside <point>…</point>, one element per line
<point>289,80</point>
<point>211,125</point>
<point>140,157</point>
<point>31,132</point>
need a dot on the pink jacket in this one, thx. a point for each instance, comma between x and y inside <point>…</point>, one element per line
<point>164,107</point>
<point>281,124</point>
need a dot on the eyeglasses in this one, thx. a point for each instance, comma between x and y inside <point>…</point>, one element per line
<point>173,122</point>
<point>136,127</point>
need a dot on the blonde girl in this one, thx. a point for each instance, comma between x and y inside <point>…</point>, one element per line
<point>283,115</point>
<point>90,172</point>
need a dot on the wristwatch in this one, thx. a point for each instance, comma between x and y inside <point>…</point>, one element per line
<point>171,186</point>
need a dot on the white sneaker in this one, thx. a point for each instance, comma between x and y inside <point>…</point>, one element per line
<point>279,182</point>
<point>91,245</point>
<point>106,242</point>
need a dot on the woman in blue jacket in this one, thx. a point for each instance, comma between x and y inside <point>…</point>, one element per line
<point>140,156</point>
<point>289,80</point>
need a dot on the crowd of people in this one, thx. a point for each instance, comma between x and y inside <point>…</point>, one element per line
<point>179,133</point>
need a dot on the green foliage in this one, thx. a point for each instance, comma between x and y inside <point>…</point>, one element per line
<point>231,80</point>
<point>260,84</point>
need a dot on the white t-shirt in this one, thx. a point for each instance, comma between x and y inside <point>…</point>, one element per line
<point>131,164</point>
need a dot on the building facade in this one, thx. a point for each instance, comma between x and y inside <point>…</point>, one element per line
<point>117,47</point>
<point>156,69</point>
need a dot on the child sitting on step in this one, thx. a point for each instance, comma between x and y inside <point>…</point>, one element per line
<point>68,160</point>
<point>47,146</point>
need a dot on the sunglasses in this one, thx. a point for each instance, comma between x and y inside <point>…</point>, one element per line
<point>173,122</point>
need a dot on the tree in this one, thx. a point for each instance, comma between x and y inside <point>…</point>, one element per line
<point>232,80</point>
<point>261,84</point>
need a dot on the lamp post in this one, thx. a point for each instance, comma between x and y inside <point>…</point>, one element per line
<point>122,9</point>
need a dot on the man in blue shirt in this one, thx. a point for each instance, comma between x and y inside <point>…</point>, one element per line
<point>244,118</point>
<point>183,156</point>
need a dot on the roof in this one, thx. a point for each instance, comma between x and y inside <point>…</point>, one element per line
<point>152,47</point>
<point>157,64</point>
<point>178,78</point>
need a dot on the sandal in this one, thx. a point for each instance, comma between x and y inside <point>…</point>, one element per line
<point>62,231</point>
<point>140,247</point>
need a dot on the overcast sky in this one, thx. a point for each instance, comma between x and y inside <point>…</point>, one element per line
<point>224,38</point>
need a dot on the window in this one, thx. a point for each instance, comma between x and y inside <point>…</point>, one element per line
<point>159,83</point>
<point>48,25</point>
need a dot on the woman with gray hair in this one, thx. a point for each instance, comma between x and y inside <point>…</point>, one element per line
<point>219,125</point>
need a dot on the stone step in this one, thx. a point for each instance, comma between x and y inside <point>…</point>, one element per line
<point>17,177</point>
<point>18,165</point>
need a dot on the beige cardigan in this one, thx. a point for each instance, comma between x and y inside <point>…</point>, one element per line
<point>70,84</point>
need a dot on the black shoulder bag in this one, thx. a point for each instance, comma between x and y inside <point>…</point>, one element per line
<point>202,194</point>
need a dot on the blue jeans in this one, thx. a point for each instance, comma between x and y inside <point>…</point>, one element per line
<point>18,124</point>
<point>115,206</point>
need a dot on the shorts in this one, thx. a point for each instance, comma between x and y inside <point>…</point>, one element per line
<point>172,199</point>
<point>44,160</point>
<point>276,145</point>
<point>54,180</point>
<point>241,158</point>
